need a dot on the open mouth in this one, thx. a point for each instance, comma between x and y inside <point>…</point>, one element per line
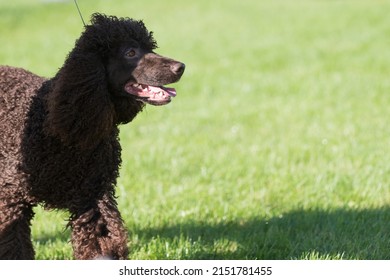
<point>151,94</point>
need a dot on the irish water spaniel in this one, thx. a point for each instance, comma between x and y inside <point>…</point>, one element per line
<point>59,137</point>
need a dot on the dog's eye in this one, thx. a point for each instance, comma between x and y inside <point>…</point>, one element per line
<point>130,53</point>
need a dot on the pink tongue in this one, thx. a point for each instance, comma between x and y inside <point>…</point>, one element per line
<point>145,90</point>
<point>171,91</point>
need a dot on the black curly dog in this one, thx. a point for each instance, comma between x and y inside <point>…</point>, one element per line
<point>59,137</point>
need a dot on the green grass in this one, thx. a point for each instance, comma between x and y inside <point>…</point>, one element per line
<point>277,145</point>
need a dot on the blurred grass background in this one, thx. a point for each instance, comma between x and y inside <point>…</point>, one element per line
<point>276,146</point>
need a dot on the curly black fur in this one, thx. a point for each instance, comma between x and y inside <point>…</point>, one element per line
<point>59,137</point>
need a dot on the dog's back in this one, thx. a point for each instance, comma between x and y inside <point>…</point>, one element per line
<point>17,86</point>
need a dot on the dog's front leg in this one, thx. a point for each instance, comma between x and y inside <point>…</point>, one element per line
<point>99,232</point>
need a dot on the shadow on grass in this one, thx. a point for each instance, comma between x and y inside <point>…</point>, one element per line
<point>301,234</point>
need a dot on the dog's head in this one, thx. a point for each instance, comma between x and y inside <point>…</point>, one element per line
<point>107,78</point>
<point>134,70</point>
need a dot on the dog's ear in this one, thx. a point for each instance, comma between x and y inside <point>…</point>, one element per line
<point>80,112</point>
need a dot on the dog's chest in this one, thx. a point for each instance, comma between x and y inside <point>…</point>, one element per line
<point>63,177</point>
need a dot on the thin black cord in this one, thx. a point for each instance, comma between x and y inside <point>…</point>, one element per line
<point>81,16</point>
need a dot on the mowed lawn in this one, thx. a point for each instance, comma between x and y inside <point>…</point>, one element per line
<point>277,145</point>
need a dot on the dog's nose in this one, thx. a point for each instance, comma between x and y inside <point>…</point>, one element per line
<point>178,68</point>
